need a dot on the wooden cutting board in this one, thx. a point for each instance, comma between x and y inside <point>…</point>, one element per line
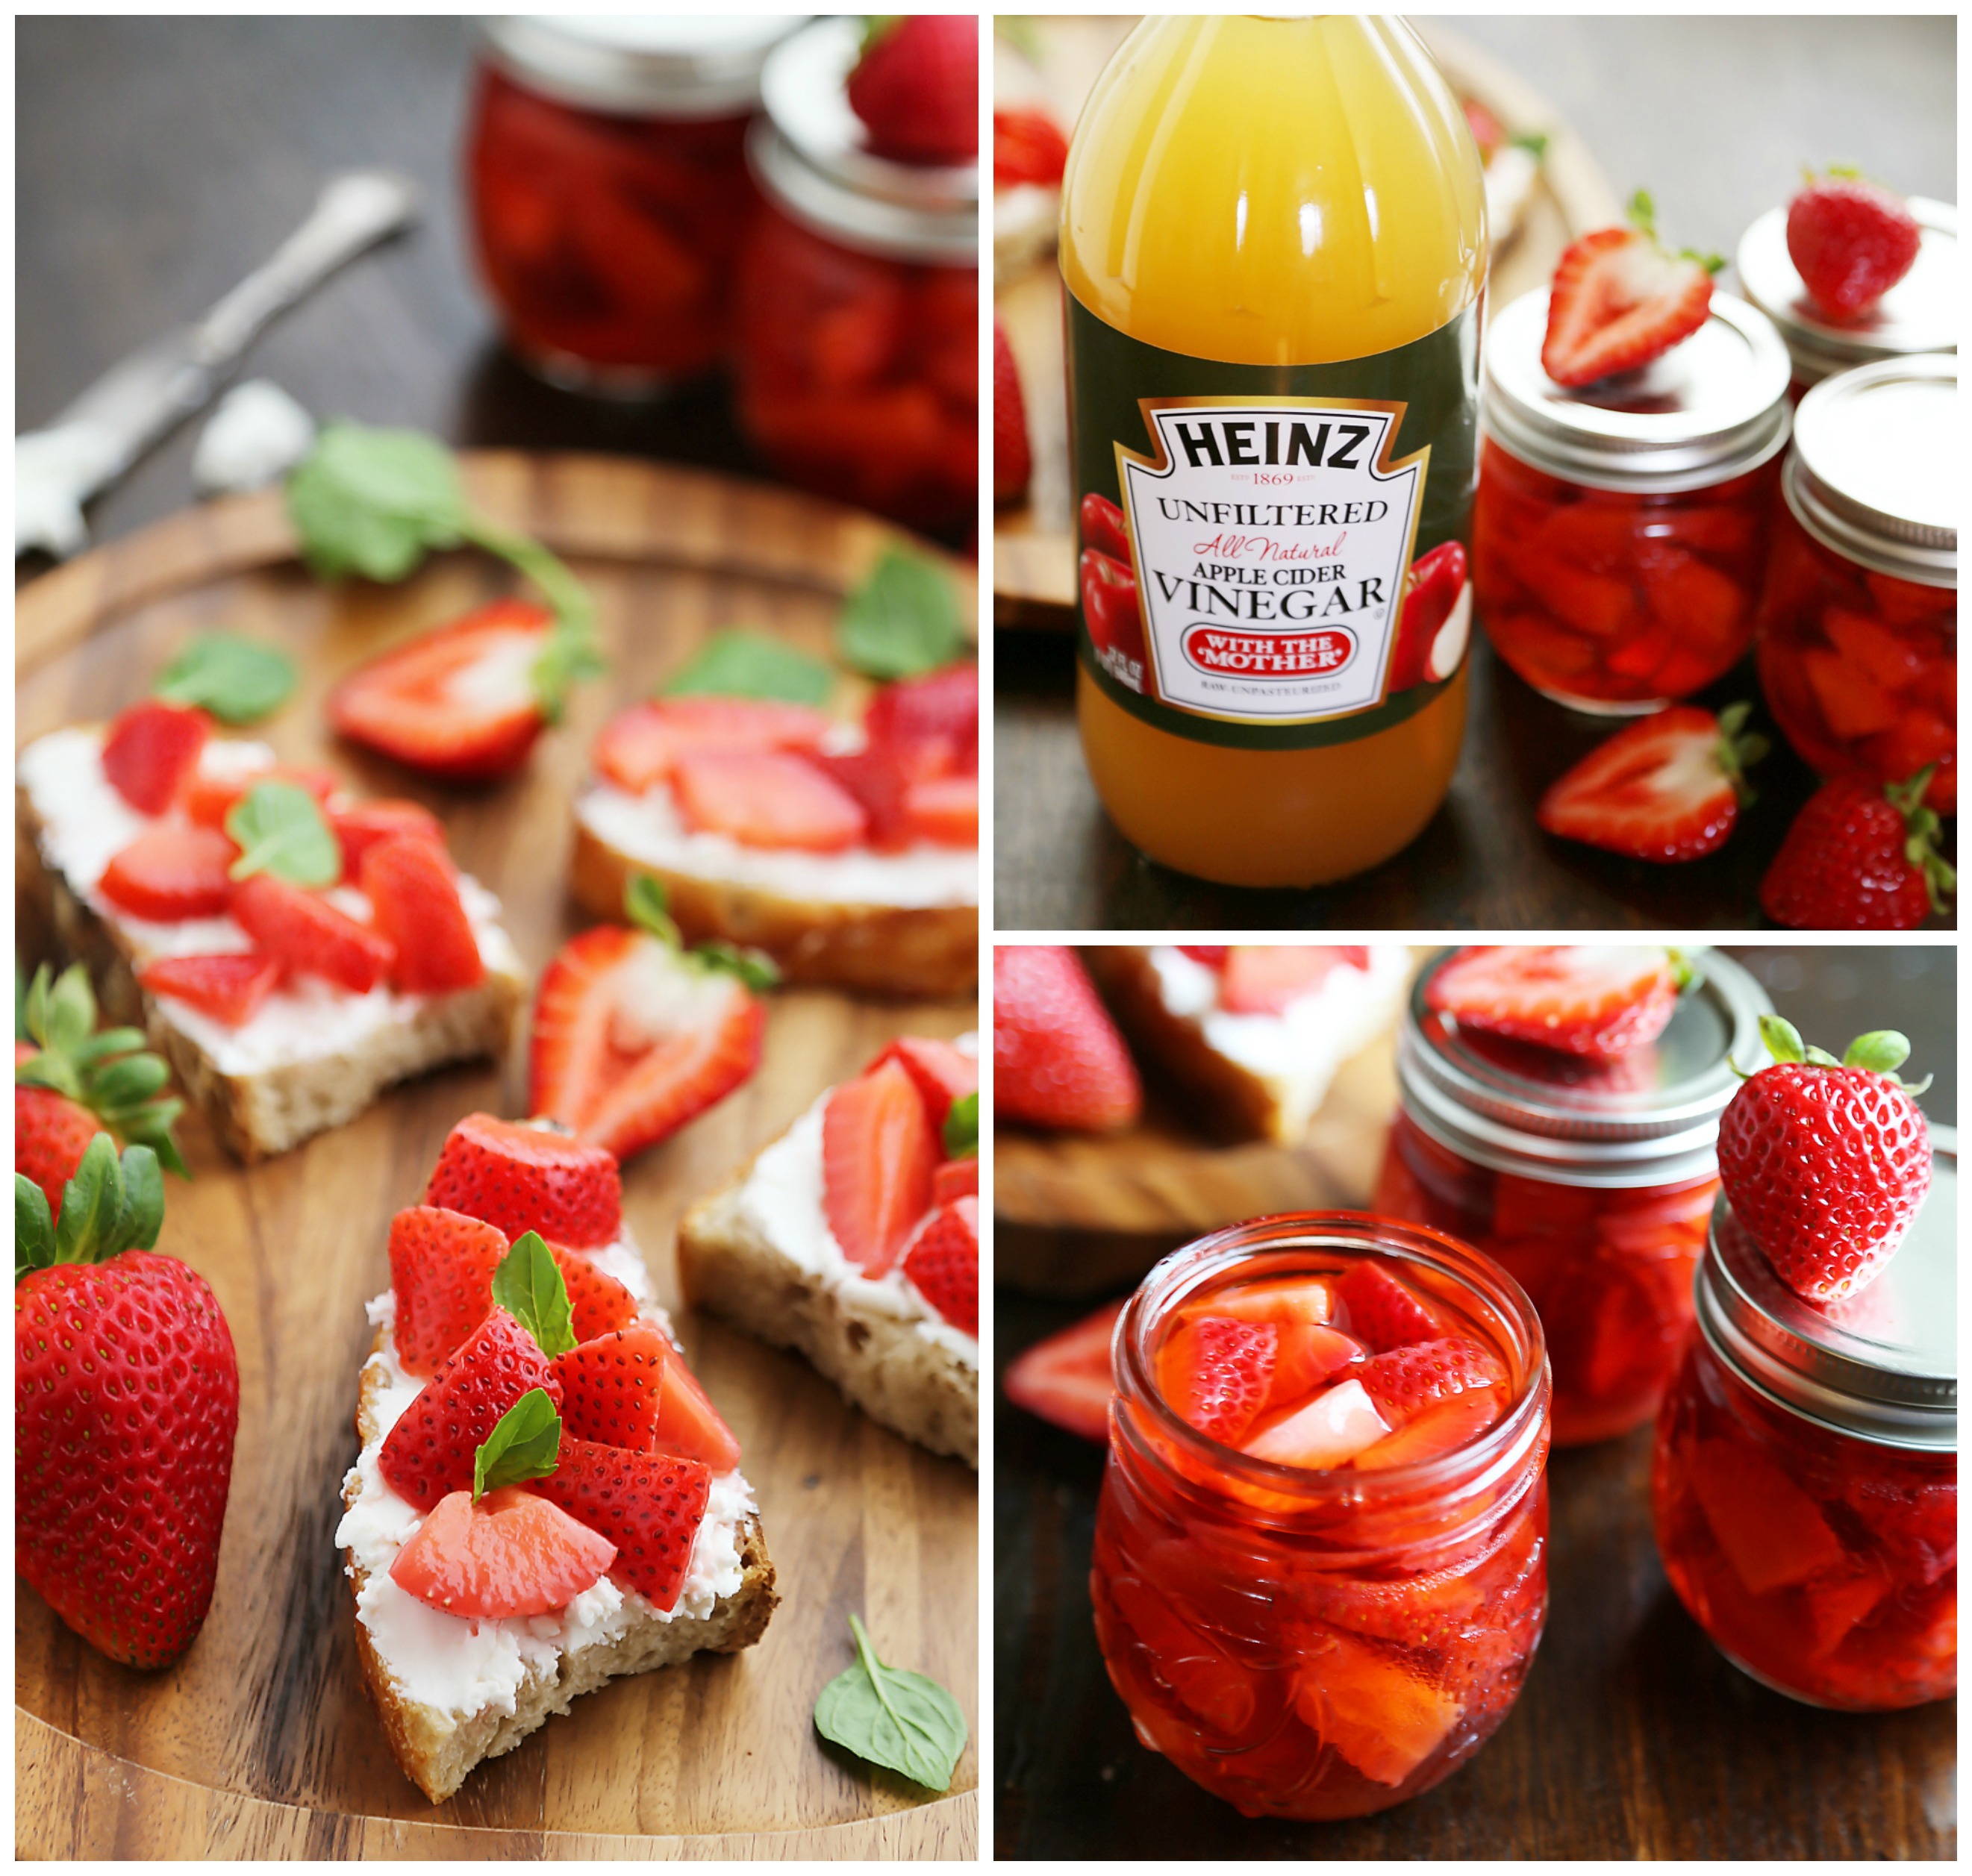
<point>1034,546</point>
<point>260,1741</point>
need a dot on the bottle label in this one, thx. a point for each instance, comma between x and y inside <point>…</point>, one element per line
<point>1270,556</point>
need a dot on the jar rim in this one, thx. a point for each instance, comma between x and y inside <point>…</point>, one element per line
<point>671,66</point>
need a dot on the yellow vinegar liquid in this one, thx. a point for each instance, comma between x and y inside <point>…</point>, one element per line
<point>1273,191</point>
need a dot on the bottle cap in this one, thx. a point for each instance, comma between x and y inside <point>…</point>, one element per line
<point>655,65</point>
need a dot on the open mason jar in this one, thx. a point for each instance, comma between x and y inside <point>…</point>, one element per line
<point>1322,1644</point>
<point>1805,1486</point>
<point>1621,531</point>
<point>1590,1182</point>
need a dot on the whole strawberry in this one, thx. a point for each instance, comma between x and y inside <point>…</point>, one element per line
<point>1826,1162</point>
<point>1057,1058</point>
<point>1850,240</point>
<point>916,87</point>
<point>1861,855</point>
<point>126,1399</point>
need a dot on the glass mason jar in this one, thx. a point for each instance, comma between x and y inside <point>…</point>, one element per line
<point>1920,314</point>
<point>858,316</point>
<point>608,189</point>
<point>1621,531</point>
<point>1321,1644</point>
<point>1805,1487</point>
<point>1591,1183</point>
<point>1859,623</point>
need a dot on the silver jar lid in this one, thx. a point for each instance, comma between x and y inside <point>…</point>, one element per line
<point>1877,472</point>
<point>1712,407</point>
<point>640,64</point>
<point>810,155</point>
<point>1881,1366</point>
<point>1650,1118</point>
<point>1920,314</point>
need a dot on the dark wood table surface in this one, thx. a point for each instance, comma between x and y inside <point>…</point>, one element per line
<point>1715,116</point>
<point>1634,1737</point>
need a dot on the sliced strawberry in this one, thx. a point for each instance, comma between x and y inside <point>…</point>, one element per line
<point>1617,301</point>
<point>689,1424</point>
<point>955,1179</point>
<point>1216,1373</point>
<point>414,894</point>
<point>459,701</point>
<point>1667,788</point>
<point>597,1304</point>
<point>208,799</point>
<point>944,810</point>
<point>1057,1058</point>
<point>1330,1430</point>
<point>1264,979</point>
<point>1584,999</point>
<point>939,711</point>
<point>513,1554</point>
<point>442,1266</point>
<point>766,798</point>
<point>1065,1378</point>
<point>879,1153</point>
<point>1380,1312</point>
<point>648,1506</point>
<point>1404,1381</point>
<point>362,824</point>
<point>943,1073</point>
<point>639,747</point>
<point>306,934</point>
<point>170,873</point>
<point>632,1039</point>
<point>632,1388</point>
<point>525,1179</point>
<point>150,751</point>
<point>229,986</point>
<point>880,779</point>
<point>943,1262</point>
<point>430,1452</point>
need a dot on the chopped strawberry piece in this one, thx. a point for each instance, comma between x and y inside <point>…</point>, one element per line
<point>1222,1692</point>
<point>306,934</point>
<point>1057,1058</point>
<point>955,1179</point>
<point>943,1262</point>
<point>945,810</point>
<point>414,895</point>
<point>1212,956</point>
<point>1217,1374</point>
<point>1380,1312</point>
<point>1013,453</point>
<point>632,1388</point>
<point>1264,979</point>
<point>151,750</point>
<point>765,798</point>
<point>170,873</point>
<point>208,799</point>
<point>1439,1429</point>
<point>459,701</point>
<point>943,1073</point>
<point>1584,999</point>
<point>1064,1377</point>
<point>1028,147</point>
<point>639,747</point>
<point>1376,1712</point>
<point>632,1039</point>
<point>1617,301</point>
<point>1328,1431</point>
<point>361,825</point>
<point>1667,788</point>
<point>229,986</point>
<point>1280,1301</point>
<point>442,1267</point>
<point>1772,1533</point>
<point>525,1179</point>
<point>878,1155</point>
<point>1404,1381</point>
<point>513,1554</point>
<point>648,1505</point>
<point>1305,1355</point>
<point>880,779</point>
<point>1850,240</point>
<point>598,1305</point>
<point>939,711</point>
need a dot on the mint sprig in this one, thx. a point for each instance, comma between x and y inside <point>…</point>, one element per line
<point>525,1444</point>
<point>902,621</point>
<point>111,1205</point>
<point>733,663</point>
<point>238,680</point>
<point>892,1718</point>
<point>528,1285</point>
<point>280,828</point>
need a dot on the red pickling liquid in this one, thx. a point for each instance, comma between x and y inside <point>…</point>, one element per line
<point>1612,599</point>
<point>1324,1643</point>
<point>1824,1564</point>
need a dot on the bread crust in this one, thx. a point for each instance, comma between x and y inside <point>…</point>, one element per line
<point>892,951</point>
<point>267,1112</point>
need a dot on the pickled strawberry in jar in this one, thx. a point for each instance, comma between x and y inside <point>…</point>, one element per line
<point>858,317</point>
<point>1621,531</point>
<point>1320,1568</point>
<point>1805,1486</point>
<point>1587,1170</point>
<point>607,180</point>
<point>1859,623</point>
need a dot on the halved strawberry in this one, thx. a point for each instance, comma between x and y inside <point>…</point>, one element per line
<point>525,1179</point>
<point>429,1451</point>
<point>942,1072</point>
<point>1216,1373</point>
<point>306,934</point>
<point>172,872</point>
<point>633,1038</point>
<point>1619,301</point>
<point>1064,1377</point>
<point>639,747</point>
<point>1380,1312</point>
<point>955,1179</point>
<point>766,798</point>
<point>1585,999</point>
<point>442,1266</point>
<point>1668,787</point>
<point>649,1506</point>
<point>598,1304</point>
<point>945,810</point>
<point>362,824</point>
<point>229,986</point>
<point>413,895</point>
<point>1057,1058</point>
<point>878,1155</point>
<point>1264,979</point>
<point>460,702</point>
<point>632,1388</point>
<point>515,1553</point>
<point>943,1262</point>
<point>1404,1381</point>
<point>208,799</point>
<point>151,750</point>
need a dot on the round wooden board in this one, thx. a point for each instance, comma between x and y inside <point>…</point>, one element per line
<point>260,1740</point>
<point>1034,546</point>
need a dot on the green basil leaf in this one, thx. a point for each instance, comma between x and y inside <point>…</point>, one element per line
<point>282,830</point>
<point>239,680</point>
<point>33,1228</point>
<point>902,621</point>
<point>374,502</point>
<point>892,1718</point>
<point>525,1444</point>
<point>646,907</point>
<point>746,664</point>
<point>528,1285</point>
<point>961,1127</point>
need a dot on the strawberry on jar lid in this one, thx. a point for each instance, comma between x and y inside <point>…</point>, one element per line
<point>1877,472</point>
<point>1881,1365</point>
<point>1712,407</point>
<point>1919,314</point>
<point>683,65</point>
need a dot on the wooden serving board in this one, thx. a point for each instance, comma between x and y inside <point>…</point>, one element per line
<point>260,1741</point>
<point>1034,546</point>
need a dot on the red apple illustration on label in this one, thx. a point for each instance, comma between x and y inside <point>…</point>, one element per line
<point>1109,602</point>
<point>1435,621</point>
<point>1102,528</point>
